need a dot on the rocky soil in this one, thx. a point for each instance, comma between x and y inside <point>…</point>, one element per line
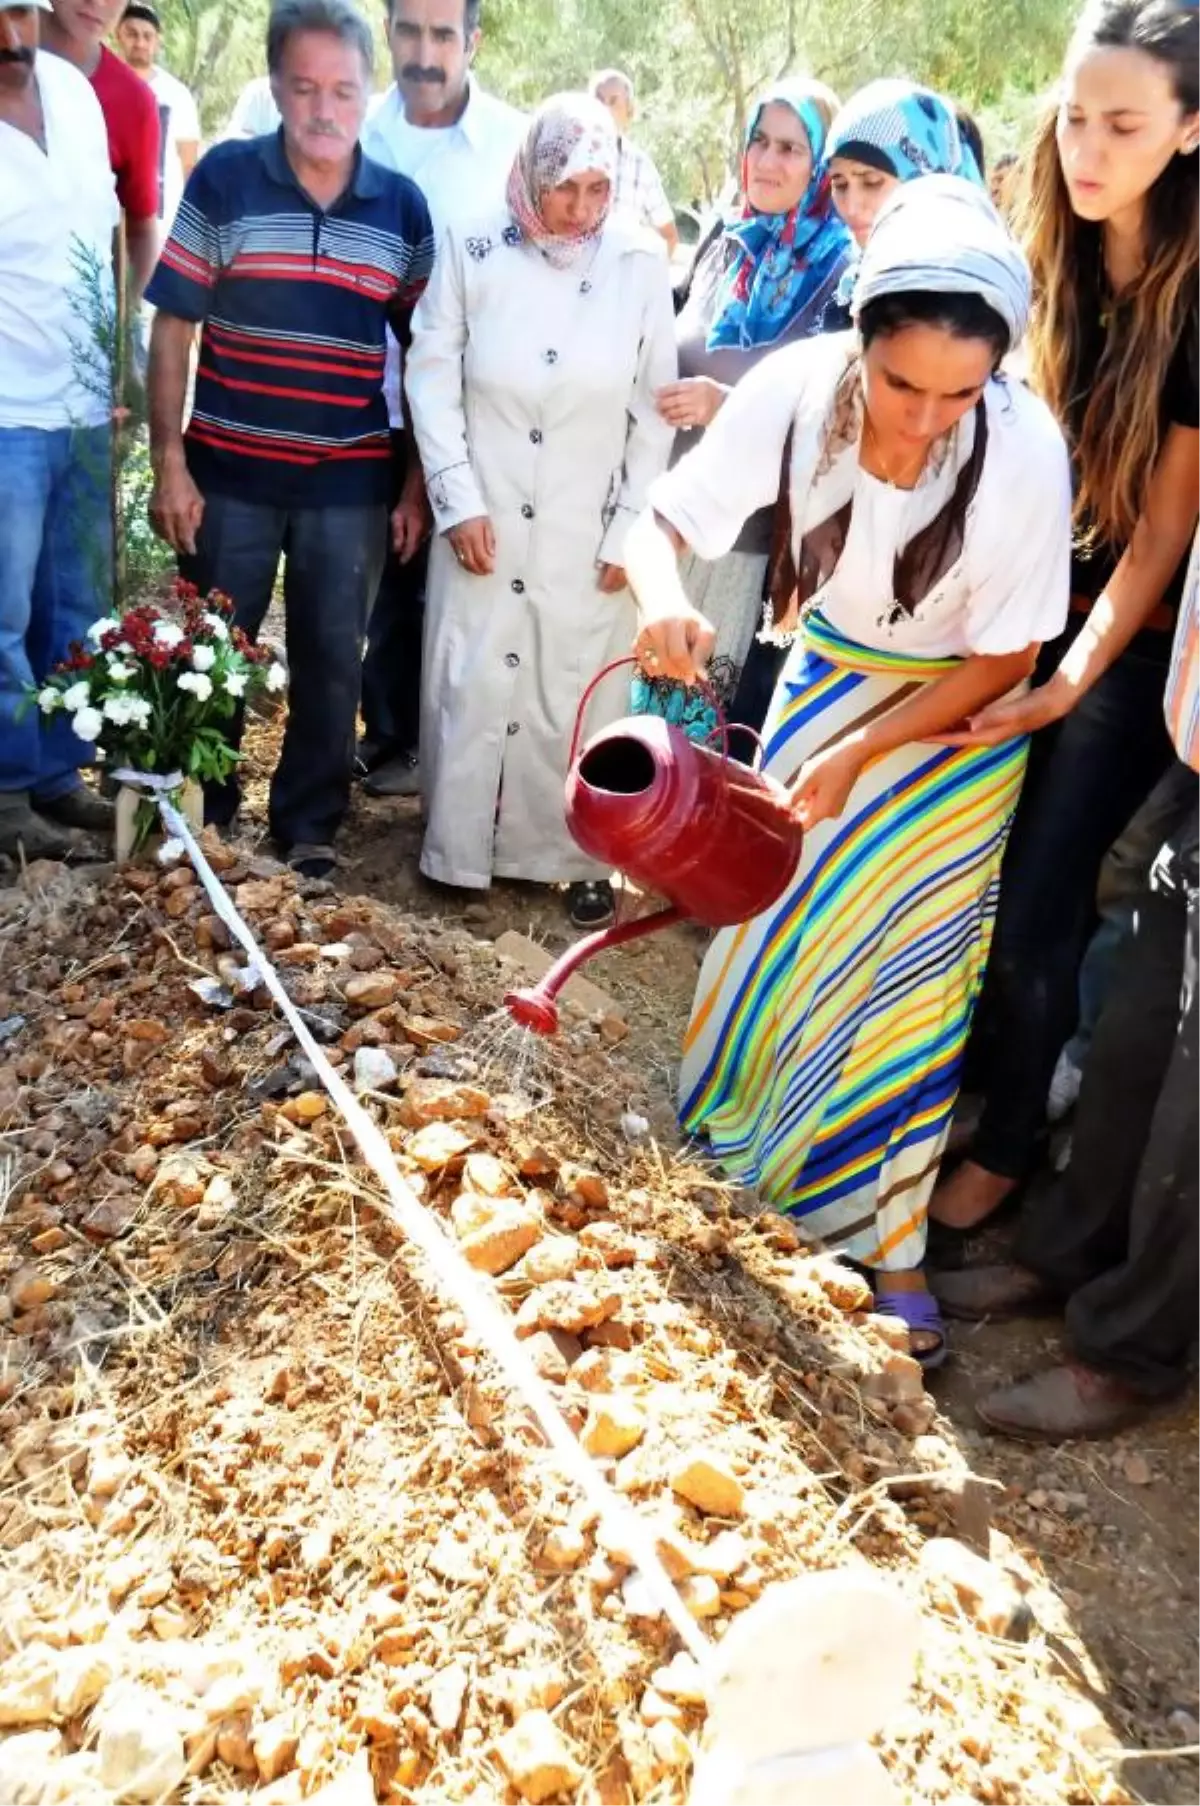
<point>273,1528</point>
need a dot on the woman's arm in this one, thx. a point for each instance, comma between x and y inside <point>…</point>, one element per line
<point>674,639</point>
<point>1159,544</point>
<point>433,384</point>
<point>705,501</point>
<point>825,781</point>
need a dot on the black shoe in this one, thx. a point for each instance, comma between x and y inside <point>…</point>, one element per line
<point>309,860</point>
<point>79,808</point>
<point>590,903</point>
<point>370,753</point>
<point>397,776</point>
<point>25,833</point>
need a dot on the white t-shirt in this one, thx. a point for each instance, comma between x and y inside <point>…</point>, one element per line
<point>462,170</point>
<point>254,112</point>
<point>180,124</point>
<point>58,211</point>
<point>1010,586</point>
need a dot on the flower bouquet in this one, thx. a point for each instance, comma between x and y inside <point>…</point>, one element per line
<point>156,692</point>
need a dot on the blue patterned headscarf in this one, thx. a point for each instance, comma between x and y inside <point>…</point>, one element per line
<point>903,130</point>
<point>785,265</point>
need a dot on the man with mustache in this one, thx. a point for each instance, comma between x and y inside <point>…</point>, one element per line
<point>294,251</point>
<point>58,209</point>
<point>75,30</point>
<point>457,142</point>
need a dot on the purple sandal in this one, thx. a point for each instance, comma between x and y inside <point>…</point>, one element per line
<point>919,1311</point>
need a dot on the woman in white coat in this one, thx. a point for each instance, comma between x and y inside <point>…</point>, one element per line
<point>537,352</point>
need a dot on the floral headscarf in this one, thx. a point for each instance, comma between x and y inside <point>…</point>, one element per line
<point>787,263</point>
<point>569,135</point>
<point>903,130</point>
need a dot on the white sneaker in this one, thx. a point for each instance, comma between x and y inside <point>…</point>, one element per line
<point>1064,1088</point>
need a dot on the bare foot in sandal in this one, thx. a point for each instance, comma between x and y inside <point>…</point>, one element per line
<point>906,1295</point>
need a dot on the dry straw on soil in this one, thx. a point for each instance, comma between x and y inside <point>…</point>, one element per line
<point>255,1470</point>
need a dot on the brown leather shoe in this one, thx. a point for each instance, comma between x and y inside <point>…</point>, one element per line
<point>1063,1402</point>
<point>1001,1291</point>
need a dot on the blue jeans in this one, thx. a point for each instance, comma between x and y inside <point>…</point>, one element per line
<point>55,580</point>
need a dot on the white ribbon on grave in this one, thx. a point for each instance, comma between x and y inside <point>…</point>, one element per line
<point>455,1278</point>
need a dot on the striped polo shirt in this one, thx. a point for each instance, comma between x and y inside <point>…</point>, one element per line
<point>289,406</point>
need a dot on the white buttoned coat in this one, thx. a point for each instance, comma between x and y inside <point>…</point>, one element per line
<point>531,391</point>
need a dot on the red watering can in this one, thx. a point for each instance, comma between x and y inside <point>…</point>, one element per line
<point>713,836</point>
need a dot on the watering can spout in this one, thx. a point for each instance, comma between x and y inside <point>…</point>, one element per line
<point>536,1006</point>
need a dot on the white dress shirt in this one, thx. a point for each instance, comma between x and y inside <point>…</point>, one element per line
<point>461,169</point>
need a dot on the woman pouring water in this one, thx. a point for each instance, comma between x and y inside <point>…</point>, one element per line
<point>925,528</point>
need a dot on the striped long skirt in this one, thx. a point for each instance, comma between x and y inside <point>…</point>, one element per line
<point>822,1059</point>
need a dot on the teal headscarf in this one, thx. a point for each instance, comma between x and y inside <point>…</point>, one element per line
<point>904,130</point>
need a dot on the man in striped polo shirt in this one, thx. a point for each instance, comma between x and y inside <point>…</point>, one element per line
<point>293,251</point>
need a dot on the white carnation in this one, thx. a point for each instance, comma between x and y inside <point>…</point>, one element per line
<point>235,683</point>
<point>49,699</point>
<point>199,685</point>
<point>167,633</point>
<point>88,723</point>
<point>203,658</point>
<point>78,696</point>
<point>126,711</point>
<point>216,627</point>
<point>119,671</point>
<point>276,677</point>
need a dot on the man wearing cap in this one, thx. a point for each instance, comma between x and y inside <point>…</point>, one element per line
<point>57,208</point>
<point>140,37</point>
<point>75,30</point>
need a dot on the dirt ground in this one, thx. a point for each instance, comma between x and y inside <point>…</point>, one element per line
<point>1114,1523</point>
<point>271,1530</point>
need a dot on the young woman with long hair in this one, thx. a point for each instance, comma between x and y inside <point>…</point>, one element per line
<point>1109,220</point>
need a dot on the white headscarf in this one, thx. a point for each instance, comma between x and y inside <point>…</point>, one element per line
<point>942,236</point>
<point>569,135</point>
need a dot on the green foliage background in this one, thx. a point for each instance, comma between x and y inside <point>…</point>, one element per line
<point>697,63</point>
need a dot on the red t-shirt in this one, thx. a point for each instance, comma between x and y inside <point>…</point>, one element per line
<point>131,115</point>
